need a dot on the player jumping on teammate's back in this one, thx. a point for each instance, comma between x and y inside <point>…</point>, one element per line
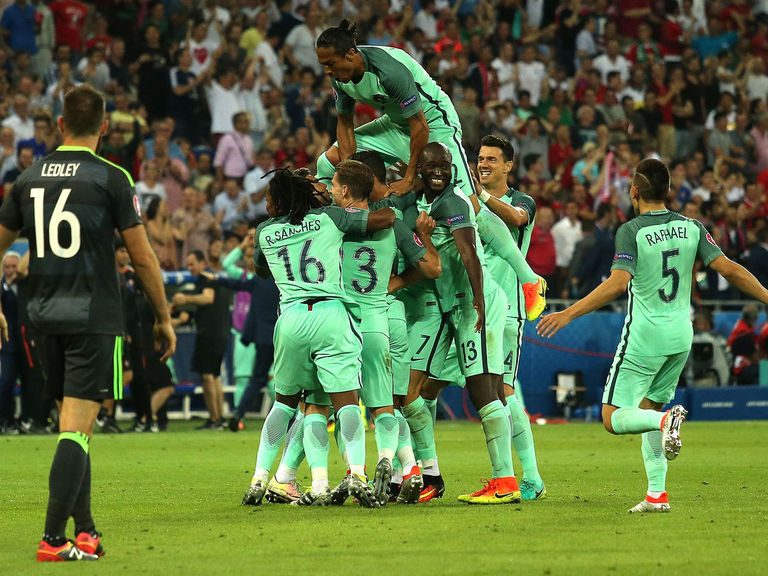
<point>414,111</point>
<point>68,205</point>
<point>471,311</point>
<point>316,340</point>
<point>654,258</point>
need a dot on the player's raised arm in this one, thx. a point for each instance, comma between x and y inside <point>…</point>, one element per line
<point>419,138</point>
<point>740,277</point>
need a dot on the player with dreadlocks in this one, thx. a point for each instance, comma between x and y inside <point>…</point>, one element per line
<point>317,345</point>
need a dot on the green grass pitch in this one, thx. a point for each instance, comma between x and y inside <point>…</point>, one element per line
<point>170,504</point>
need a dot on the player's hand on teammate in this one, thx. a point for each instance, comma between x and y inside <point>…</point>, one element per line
<point>478,303</point>
<point>425,224</point>
<point>551,323</point>
<point>401,187</point>
<point>395,283</point>
<point>165,337</point>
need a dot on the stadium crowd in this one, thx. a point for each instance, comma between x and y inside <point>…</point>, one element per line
<point>205,98</point>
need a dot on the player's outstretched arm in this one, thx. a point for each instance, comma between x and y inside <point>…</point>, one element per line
<point>419,138</point>
<point>381,219</point>
<point>512,216</point>
<point>148,270</point>
<point>465,243</point>
<point>345,134</point>
<point>614,286</point>
<point>740,277</point>
<point>7,237</point>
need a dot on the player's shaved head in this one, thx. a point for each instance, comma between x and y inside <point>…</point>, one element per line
<point>435,151</point>
<point>651,179</point>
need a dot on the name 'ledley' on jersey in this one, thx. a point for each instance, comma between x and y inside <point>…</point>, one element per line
<point>57,170</point>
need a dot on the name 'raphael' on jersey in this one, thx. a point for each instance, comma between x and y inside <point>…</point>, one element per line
<point>68,206</point>
<point>451,211</point>
<point>659,249</point>
<point>395,84</point>
<point>305,259</point>
<point>501,272</point>
<point>368,262</point>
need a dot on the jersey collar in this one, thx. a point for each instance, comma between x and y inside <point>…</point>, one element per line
<point>63,148</point>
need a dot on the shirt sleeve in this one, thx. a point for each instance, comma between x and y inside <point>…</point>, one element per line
<point>345,104</point>
<point>625,254</point>
<point>398,82</point>
<point>349,220</point>
<point>258,256</point>
<point>528,204</point>
<point>708,249</point>
<point>126,208</point>
<point>408,243</point>
<point>454,212</point>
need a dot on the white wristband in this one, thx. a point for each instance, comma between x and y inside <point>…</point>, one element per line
<point>484,195</point>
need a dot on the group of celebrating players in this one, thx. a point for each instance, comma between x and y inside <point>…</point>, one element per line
<point>383,296</point>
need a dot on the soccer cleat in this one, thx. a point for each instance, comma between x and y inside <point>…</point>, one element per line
<point>90,543</point>
<point>410,489</point>
<point>487,485</point>
<point>498,491</point>
<point>434,487</point>
<point>283,493</point>
<point>110,426</point>
<point>535,298</point>
<point>66,553</point>
<point>670,429</point>
<point>530,492</point>
<point>255,493</point>
<point>359,488</point>
<point>381,479</point>
<point>651,504</point>
<point>340,493</point>
<point>235,424</point>
<point>312,498</point>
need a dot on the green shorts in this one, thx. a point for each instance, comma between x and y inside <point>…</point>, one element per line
<point>398,346</point>
<point>377,364</point>
<point>478,352</point>
<point>633,377</point>
<point>317,349</point>
<point>394,144</point>
<point>451,372</point>
<point>513,341</point>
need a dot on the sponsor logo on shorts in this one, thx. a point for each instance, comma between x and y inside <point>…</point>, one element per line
<point>137,205</point>
<point>456,219</point>
<point>409,101</point>
<point>418,242</point>
<point>624,256</point>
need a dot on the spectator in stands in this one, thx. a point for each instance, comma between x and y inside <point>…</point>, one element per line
<point>119,70</point>
<point>212,320</point>
<point>531,73</point>
<point>743,345</point>
<point>757,262</point>
<point>174,173</point>
<point>184,97</point>
<point>611,61</point>
<point>150,186</point>
<point>256,185</point>
<point>7,151</point>
<point>200,46</point>
<point>158,224</point>
<point>22,123</point>
<point>541,253</point>
<point>153,75</point>
<point>230,205</point>
<point>41,140</point>
<point>69,18</point>
<point>94,70</point>
<point>566,232</point>
<point>715,41</point>
<point>191,225</point>
<point>534,142</point>
<point>12,352</point>
<point>595,263</point>
<point>759,134</point>
<point>301,39</point>
<point>586,169</point>
<point>234,153</point>
<point>24,159</point>
<point>291,155</point>
<point>18,24</point>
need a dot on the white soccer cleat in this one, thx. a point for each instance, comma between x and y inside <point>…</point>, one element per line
<point>650,504</point>
<point>670,430</point>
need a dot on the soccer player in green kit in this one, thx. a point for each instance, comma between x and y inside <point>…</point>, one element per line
<point>653,260</point>
<point>472,313</point>
<point>415,111</point>
<point>317,346</point>
<point>517,211</point>
<point>366,267</point>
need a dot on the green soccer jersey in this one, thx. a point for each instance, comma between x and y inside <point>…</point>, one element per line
<point>397,85</point>
<point>659,249</point>
<point>500,270</point>
<point>451,211</point>
<point>304,259</point>
<point>367,262</point>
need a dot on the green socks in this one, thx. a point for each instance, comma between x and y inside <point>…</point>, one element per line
<point>655,461</point>
<point>387,431</point>
<point>293,453</point>
<point>635,420</point>
<point>405,455</point>
<point>432,407</point>
<point>316,446</point>
<point>272,434</point>
<point>495,423</point>
<point>353,433</point>
<point>522,439</point>
<point>422,430</point>
<point>495,233</point>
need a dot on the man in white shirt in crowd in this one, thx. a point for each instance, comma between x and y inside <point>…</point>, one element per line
<point>566,233</point>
